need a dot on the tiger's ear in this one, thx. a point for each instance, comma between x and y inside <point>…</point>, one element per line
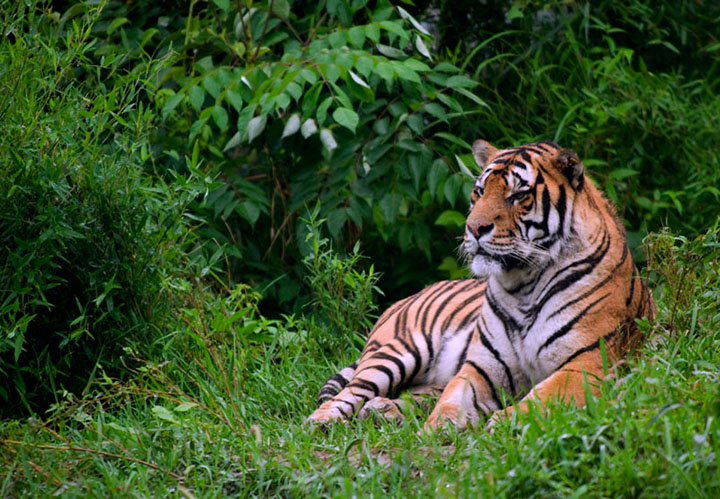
<point>569,164</point>
<point>482,152</point>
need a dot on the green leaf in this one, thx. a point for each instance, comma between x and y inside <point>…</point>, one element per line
<point>356,35</point>
<point>197,97</point>
<point>212,85</point>
<point>416,65</point>
<point>385,71</point>
<point>220,117</point>
<point>234,99</point>
<point>117,22</point>
<point>437,174</point>
<point>249,211</point>
<point>455,140</point>
<point>373,32</point>
<point>453,186</point>
<point>364,65</point>
<point>310,100</point>
<point>395,28</point>
<point>256,126</point>
<point>421,47</point>
<point>463,168</point>
<point>460,81</point>
<point>161,412</point>
<point>281,8</point>
<point>389,51</point>
<point>435,110</point>
<point>291,126</point>
<point>171,104</point>
<point>390,205</point>
<point>233,142</point>
<point>346,117</point>
<point>337,39</point>
<point>309,76</point>
<point>621,173</point>
<point>282,101</point>
<point>467,93</point>
<point>322,110</point>
<point>335,221</point>
<point>328,140</point>
<point>450,218</point>
<point>406,15</point>
<point>514,13</point>
<point>405,72</point>
<point>295,90</point>
<point>332,73</point>
<point>244,119</point>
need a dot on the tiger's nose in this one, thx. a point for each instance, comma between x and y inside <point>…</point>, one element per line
<point>478,230</point>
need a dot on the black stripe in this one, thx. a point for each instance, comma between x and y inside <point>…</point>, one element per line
<point>509,323</point>
<point>394,360</point>
<point>477,407</point>
<point>592,346</point>
<point>589,263</point>
<point>568,326</point>
<point>387,372</point>
<point>561,209</point>
<point>365,385</point>
<point>427,304</point>
<point>632,289</point>
<point>599,285</point>
<point>441,307</point>
<point>482,373</point>
<point>328,390</point>
<point>463,354</point>
<point>467,301</point>
<point>486,343</point>
<point>416,356</point>
<point>339,379</point>
<point>470,317</point>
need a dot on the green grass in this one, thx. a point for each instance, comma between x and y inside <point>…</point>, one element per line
<point>223,412</point>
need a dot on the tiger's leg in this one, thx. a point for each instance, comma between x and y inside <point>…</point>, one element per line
<point>568,384</point>
<point>393,409</point>
<point>469,396</point>
<point>384,370</point>
<point>333,386</point>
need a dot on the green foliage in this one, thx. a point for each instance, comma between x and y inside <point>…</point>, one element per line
<point>222,415</point>
<point>88,240</point>
<point>368,108</point>
<point>631,86</point>
<point>337,102</point>
<point>342,296</point>
<point>689,279</point>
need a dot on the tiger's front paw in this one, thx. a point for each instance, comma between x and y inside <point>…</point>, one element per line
<point>443,415</point>
<point>383,406</point>
<point>498,417</point>
<point>326,413</point>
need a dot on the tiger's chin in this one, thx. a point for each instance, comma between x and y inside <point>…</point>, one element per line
<point>485,266</point>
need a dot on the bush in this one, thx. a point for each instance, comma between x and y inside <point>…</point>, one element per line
<point>367,107</point>
<point>88,239</point>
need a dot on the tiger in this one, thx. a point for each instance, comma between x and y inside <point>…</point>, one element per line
<point>552,306</point>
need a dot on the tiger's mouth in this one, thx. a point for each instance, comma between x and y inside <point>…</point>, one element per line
<point>480,257</point>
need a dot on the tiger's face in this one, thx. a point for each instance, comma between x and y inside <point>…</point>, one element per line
<point>520,206</point>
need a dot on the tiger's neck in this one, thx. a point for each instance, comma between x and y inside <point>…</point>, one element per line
<point>590,221</point>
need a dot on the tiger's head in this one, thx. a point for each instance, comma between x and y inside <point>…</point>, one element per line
<point>521,206</point>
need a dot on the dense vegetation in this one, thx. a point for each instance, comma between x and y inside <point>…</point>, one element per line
<point>202,201</point>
